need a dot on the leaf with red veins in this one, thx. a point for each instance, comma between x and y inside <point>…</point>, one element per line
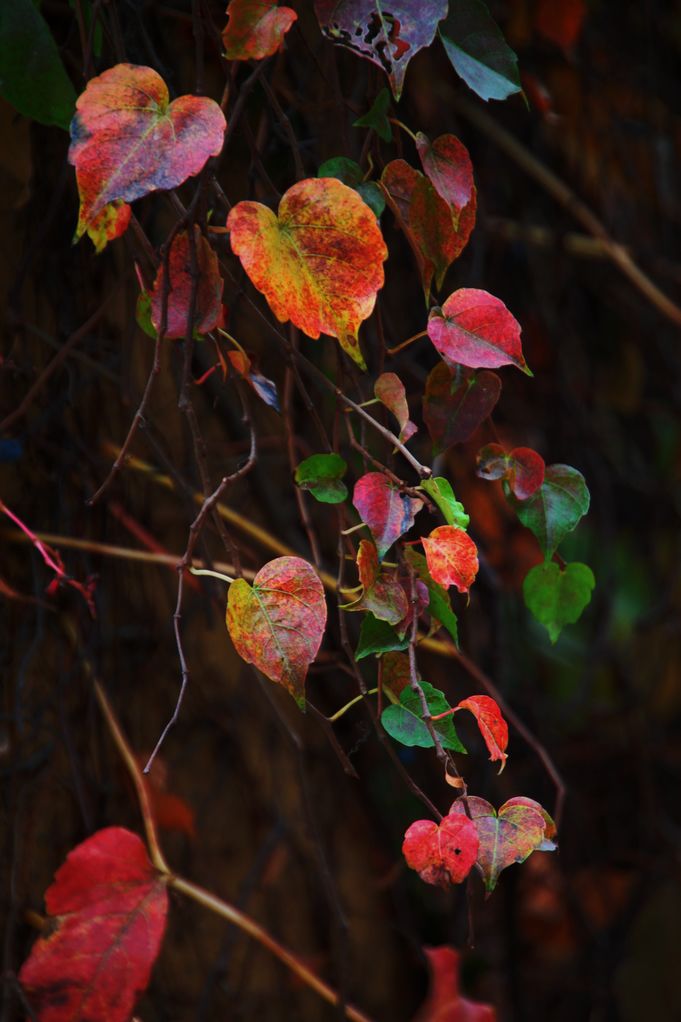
<point>110,223</point>
<point>475,329</point>
<point>255,29</point>
<point>442,853</point>
<point>523,468</point>
<point>383,594</point>
<point>456,402</point>
<point>108,906</point>
<point>507,836</point>
<point>452,557</point>
<point>444,1002</point>
<point>127,139</point>
<point>493,727</point>
<point>390,391</point>
<point>448,165</point>
<point>277,624</point>
<point>208,304</point>
<point>318,262</point>
<point>381,506</point>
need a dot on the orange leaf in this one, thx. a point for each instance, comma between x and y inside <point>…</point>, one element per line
<point>493,727</point>
<point>452,557</point>
<point>256,28</point>
<point>319,262</point>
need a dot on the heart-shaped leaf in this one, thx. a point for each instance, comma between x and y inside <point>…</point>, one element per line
<point>277,624</point>
<point>255,29</point>
<point>477,49</point>
<point>404,720</point>
<point>449,168</point>
<point>523,468</point>
<point>555,508</point>
<point>108,908</point>
<point>440,490</point>
<point>390,391</point>
<point>127,139</point>
<point>441,853</point>
<point>452,557</point>
<point>319,262</point>
<point>556,596</point>
<point>208,304</point>
<point>456,402</point>
<point>322,475</point>
<point>493,727</point>
<point>377,117</point>
<point>476,329</point>
<point>381,506</point>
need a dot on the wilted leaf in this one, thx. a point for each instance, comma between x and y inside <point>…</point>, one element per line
<point>377,117</point>
<point>255,29</point>
<point>319,262</point>
<point>555,508</point>
<point>389,390</point>
<point>440,605</point>
<point>403,721</point>
<point>382,593</point>
<point>473,328</point>
<point>523,468</point>
<point>444,1002</point>
<point>440,490</point>
<point>477,49</point>
<point>378,637</point>
<point>557,596</point>
<point>456,402</point>
<point>449,168</point>
<point>278,623</point>
<point>388,38</point>
<point>110,223</point>
<point>506,837</point>
<point>381,506</point>
<point>32,76</point>
<point>245,366</point>
<point>322,475</point>
<point>208,304</point>
<point>452,557</point>
<point>108,906</point>
<point>493,727</point>
<point>441,853</point>
<point>127,139</point>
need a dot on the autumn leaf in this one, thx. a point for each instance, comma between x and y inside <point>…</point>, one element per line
<point>439,605</point>
<point>442,853</point>
<point>560,21</point>
<point>382,593</point>
<point>555,508</point>
<point>475,329</point>
<point>388,39</point>
<point>456,402</point>
<point>127,139</point>
<point>278,623</point>
<point>478,51</point>
<point>208,303</point>
<point>404,720</point>
<point>377,637</point>
<point>550,829</point>
<point>493,727</point>
<point>255,29</point>
<point>395,674</point>
<point>390,391</point>
<point>322,475</point>
<point>108,906</point>
<point>507,836</point>
<point>452,557</point>
<point>381,506</point>
<point>110,223</point>
<point>557,595</point>
<point>523,468</point>
<point>440,490</point>
<point>319,262</point>
<point>444,1002</point>
<point>449,168</point>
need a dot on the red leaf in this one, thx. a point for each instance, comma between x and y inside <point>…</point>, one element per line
<point>128,140</point>
<point>383,594</point>
<point>109,909</point>
<point>169,811</point>
<point>456,402</point>
<point>441,853</point>
<point>444,1002</point>
<point>493,727</point>
<point>256,28</point>
<point>278,623</point>
<point>452,557</point>
<point>381,506</point>
<point>389,390</point>
<point>448,165</point>
<point>523,468</point>
<point>560,21</point>
<point>208,306</point>
<point>473,328</point>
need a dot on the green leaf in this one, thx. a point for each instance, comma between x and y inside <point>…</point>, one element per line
<point>440,605</point>
<point>555,508</point>
<point>378,637</point>
<point>557,597</point>
<point>373,196</point>
<point>321,474</point>
<point>143,314</point>
<point>476,47</point>
<point>377,117</point>
<point>403,721</point>
<point>346,170</point>
<point>440,490</point>
<point>32,75</point>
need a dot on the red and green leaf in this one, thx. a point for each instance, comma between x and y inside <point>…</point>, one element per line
<point>442,853</point>
<point>456,402</point>
<point>523,468</point>
<point>439,605</point>
<point>208,301</point>
<point>108,906</point>
<point>390,391</point>
<point>387,512</point>
<point>382,593</point>
<point>277,624</point>
<point>555,508</point>
<point>475,329</point>
<point>255,28</point>
<point>319,261</point>
<point>127,139</point>
<point>452,557</point>
<point>557,595</point>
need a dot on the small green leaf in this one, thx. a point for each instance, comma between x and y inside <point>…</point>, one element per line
<point>321,474</point>
<point>378,637</point>
<point>143,314</point>
<point>440,605</point>
<point>557,597</point>
<point>373,196</point>
<point>377,117</point>
<point>476,47</point>
<point>346,170</point>
<point>32,76</point>
<point>404,723</point>
<point>555,508</point>
<point>440,490</point>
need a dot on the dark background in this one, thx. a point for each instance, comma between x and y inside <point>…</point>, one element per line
<point>590,933</point>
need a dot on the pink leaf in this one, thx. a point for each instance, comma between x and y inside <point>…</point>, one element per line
<point>441,853</point>
<point>473,328</point>
<point>381,506</point>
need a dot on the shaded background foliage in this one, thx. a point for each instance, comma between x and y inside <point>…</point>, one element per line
<point>590,933</point>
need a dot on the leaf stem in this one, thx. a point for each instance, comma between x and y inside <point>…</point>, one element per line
<point>405,344</point>
<point>339,713</point>
<point>211,574</point>
<point>400,124</point>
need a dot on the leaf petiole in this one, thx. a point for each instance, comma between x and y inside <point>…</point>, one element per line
<point>339,713</point>
<point>212,574</point>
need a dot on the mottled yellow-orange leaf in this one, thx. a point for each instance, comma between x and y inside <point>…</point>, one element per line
<point>319,262</point>
<point>111,221</point>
